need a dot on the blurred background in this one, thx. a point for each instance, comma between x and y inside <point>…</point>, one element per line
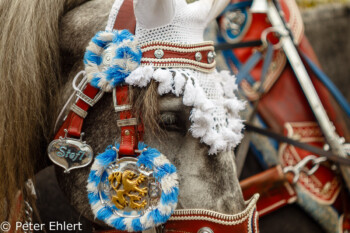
<point>312,3</point>
<point>327,28</point>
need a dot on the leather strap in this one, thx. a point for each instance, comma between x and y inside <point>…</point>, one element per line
<point>242,44</point>
<point>244,146</point>
<point>308,147</point>
<point>197,220</point>
<point>274,188</point>
<point>131,132</point>
<point>126,17</point>
<point>74,122</point>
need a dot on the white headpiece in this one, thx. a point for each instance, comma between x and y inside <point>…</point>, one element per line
<point>214,117</point>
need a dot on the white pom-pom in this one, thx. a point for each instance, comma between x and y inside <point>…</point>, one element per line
<point>201,123</point>
<point>140,77</point>
<point>229,83</point>
<point>219,146</point>
<point>210,137</point>
<point>234,106</point>
<point>135,77</point>
<point>228,135</point>
<point>148,72</point>
<point>179,83</point>
<point>165,79</point>
<point>235,124</point>
<point>189,93</point>
<point>215,141</point>
<point>201,100</point>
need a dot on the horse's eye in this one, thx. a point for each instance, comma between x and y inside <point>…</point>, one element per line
<point>170,121</point>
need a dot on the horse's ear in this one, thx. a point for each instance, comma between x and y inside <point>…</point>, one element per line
<point>154,13</point>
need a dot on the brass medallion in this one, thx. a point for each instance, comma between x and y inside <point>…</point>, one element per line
<point>128,192</point>
<point>128,189</point>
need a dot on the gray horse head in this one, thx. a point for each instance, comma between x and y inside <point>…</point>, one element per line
<point>206,181</point>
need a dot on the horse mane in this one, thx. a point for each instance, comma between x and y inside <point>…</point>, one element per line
<point>29,80</point>
<point>145,101</point>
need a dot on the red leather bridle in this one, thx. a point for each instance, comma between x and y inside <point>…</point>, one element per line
<point>182,221</point>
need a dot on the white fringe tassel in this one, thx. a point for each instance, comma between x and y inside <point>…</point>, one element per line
<point>215,120</point>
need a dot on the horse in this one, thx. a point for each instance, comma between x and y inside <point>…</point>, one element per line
<point>58,45</point>
<point>42,49</point>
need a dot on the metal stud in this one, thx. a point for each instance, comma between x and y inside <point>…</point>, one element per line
<point>211,57</point>
<point>126,132</point>
<point>154,192</point>
<point>198,56</point>
<point>234,21</point>
<point>205,230</point>
<point>107,58</point>
<point>159,53</point>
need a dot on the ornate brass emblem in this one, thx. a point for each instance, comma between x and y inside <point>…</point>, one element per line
<point>126,184</point>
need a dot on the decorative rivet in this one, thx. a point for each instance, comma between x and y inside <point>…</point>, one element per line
<point>107,58</point>
<point>154,192</point>
<point>127,132</point>
<point>159,53</point>
<point>198,56</point>
<point>205,230</point>
<point>211,57</point>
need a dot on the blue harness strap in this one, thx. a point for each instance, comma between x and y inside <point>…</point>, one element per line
<point>254,59</point>
<point>329,84</point>
<point>248,66</point>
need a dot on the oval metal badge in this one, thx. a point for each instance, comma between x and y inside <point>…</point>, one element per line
<point>70,153</point>
<point>235,22</point>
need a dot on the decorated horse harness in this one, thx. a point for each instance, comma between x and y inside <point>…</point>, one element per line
<point>263,42</point>
<point>132,187</point>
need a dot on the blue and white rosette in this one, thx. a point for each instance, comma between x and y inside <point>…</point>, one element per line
<point>110,57</point>
<point>163,172</point>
